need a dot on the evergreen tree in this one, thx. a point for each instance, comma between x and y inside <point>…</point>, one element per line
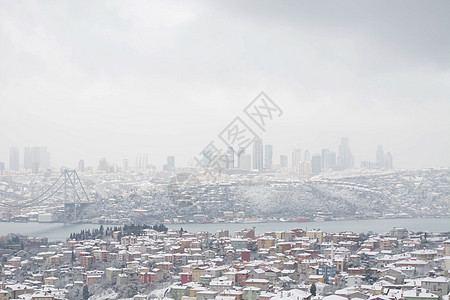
<point>85,292</point>
<point>313,289</point>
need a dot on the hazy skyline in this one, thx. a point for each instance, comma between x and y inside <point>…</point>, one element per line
<point>93,79</point>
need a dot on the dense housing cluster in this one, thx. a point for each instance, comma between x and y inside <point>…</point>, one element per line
<point>135,197</point>
<point>295,264</point>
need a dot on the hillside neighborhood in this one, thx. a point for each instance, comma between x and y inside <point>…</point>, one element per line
<point>139,262</point>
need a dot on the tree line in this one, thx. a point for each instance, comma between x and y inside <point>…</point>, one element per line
<point>102,232</point>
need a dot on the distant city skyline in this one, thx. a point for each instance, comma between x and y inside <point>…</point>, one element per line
<point>376,72</point>
<point>261,159</point>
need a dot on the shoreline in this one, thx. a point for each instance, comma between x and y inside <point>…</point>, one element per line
<point>231,222</point>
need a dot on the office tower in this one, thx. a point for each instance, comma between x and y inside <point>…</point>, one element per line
<point>332,159</point>
<point>2,166</point>
<point>42,157</point>
<point>81,165</point>
<point>305,168</point>
<point>27,158</point>
<point>138,163</point>
<point>307,156</point>
<point>125,165</point>
<point>239,153</point>
<point>246,162</point>
<point>14,159</point>
<point>345,157</point>
<point>296,159</point>
<point>103,165</point>
<point>170,163</point>
<point>36,158</point>
<point>379,162</point>
<point>283,161</point>
<point>258,155</point>
<point>325,158</point>
<point>268,157</point>
<point>316,164</point>
<point>141,162</point>
<point>207,157</point>
<point>388,161</point>
<point>35,168</point>
<point>230,156</point>
<point>367,165</point>
<point>145,161</point>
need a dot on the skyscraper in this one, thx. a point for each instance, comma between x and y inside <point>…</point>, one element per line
<point>103,165</point>
<point>14,159</point>
<point>246,162</point>
<point>379,163</point>
<point>307,156</point>
<point>35,158</point>
<point>316,162</point>
<point>141,161</point>
<point>283,161</point>
<point>171,163</point>
<point>325,160</point>
<point>44,158</point>
<point>367,164</point>
<point>27,158</point>
<point>239,153</point>
<point>345,157</point>
<point>208,157</point>
<point>388,161</point>
<point>332,159</point>
<point>230,155</point>
<point>268,157</point>
<point>305,168</point>
<point>258,155</point>
<point>125,165</point>
<point>81,165</point>
<point>296,159</point>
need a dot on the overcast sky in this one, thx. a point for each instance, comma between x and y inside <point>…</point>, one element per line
<point>93,79</point>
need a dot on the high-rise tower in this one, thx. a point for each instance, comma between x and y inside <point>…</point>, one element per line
<point>316,163</point>
<point>345,157</point>
<point>239,154</point>
<point>296,159</point>
<point>379,163</point>
<point>258,155</point>
<point>14,159</point>
<point>268,157</point>
<point>388,161</point>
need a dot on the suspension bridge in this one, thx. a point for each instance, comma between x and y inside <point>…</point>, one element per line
<point>67,188</point>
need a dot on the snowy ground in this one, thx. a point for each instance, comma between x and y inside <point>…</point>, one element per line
<point>110,294</point>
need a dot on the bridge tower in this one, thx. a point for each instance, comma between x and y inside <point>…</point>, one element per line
<point>72,199</point>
